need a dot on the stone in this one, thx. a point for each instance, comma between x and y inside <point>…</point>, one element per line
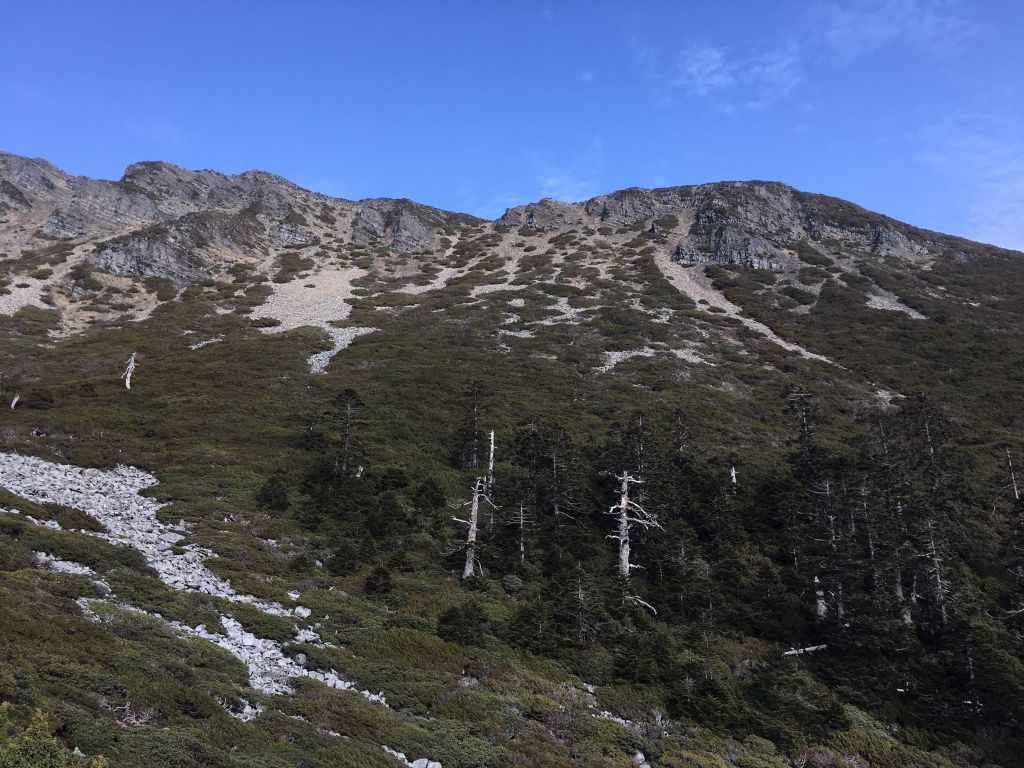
<point>61,227</point>
<point>112,498</point>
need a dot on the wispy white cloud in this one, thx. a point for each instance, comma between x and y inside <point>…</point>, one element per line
<point>830,31</point>
<point>570,177</point>
<point>732,81</point>
<point>703,70</point>
<point>983,156</point>
<point>774,75</point>
<point>854,29</point>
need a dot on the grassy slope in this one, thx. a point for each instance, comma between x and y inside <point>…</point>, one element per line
<point>214,423</point>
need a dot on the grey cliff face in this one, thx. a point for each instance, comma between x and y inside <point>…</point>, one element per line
<point>393,224</point>
<point>142,256</point>
<point>165,221</point>
<point>12,198</point>
<point>292,236</point>
<point>764,225</point>
<point>30,173</point>
<point>545,216</point>
<point>724,244</point>
<point>183,250</point>
<point>60,226</point>
<point>623,208</point>
<point>760,225</point>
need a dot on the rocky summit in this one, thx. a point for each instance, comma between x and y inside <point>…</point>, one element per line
<point>715,475</point>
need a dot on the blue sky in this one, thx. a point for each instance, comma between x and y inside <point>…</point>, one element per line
<point>909,107</point>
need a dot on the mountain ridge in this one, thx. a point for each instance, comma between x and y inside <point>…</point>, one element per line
<point>134,169</point>
<point>246,429</point>
<point>755,222</point>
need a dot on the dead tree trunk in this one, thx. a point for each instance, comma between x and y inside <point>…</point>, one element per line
<point>128,371</point>
<point>936,570</point>
<point>474,514</point>
<point>623,534</point>
<point>627,513</point>
<point>490,466</point>
<point>489,481</point>
<point>481,493</point>
<point>583,625</point>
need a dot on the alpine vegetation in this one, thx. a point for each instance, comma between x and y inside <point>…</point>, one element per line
<point>717,475</point>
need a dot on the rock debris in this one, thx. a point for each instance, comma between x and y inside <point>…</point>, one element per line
<point>112,498</point>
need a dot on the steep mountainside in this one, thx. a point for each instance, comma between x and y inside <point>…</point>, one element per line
<point>252,555</point>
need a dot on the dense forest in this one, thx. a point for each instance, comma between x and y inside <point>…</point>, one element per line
<point>883,568</point>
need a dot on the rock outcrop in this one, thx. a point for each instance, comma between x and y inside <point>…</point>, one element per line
<point>75,244</point>
<point>160,220</point>
<point>12,198</point>
<point>195,246</point>
<point>396,224</point>
<point>113,498</point>
<point>546,216</point>
<point>751,224</point>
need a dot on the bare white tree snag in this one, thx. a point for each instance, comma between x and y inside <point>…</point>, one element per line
<point>522,522</point>
<point>350,405</point>
<point>130,717</point>
<point>732,476</point>
<point>481,491</point>
<point>128,371</point>
<point>802,651</point>
<point>490,466</point>
<point>474,516</point>
<point>628,513</point>
<point>936,570</point>
<point>473,525</point>
<point>15,399</point>
<point>644,603</point>
<point>489,481</point>
<point>1013,477</point>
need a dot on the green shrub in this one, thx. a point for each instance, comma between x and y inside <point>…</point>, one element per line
<point>35,746</point>
<point>378,581</point>
<point>273,494</point>
<point>466,623</point>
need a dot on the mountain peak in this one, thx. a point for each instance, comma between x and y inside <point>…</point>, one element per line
<point>768,384</point>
